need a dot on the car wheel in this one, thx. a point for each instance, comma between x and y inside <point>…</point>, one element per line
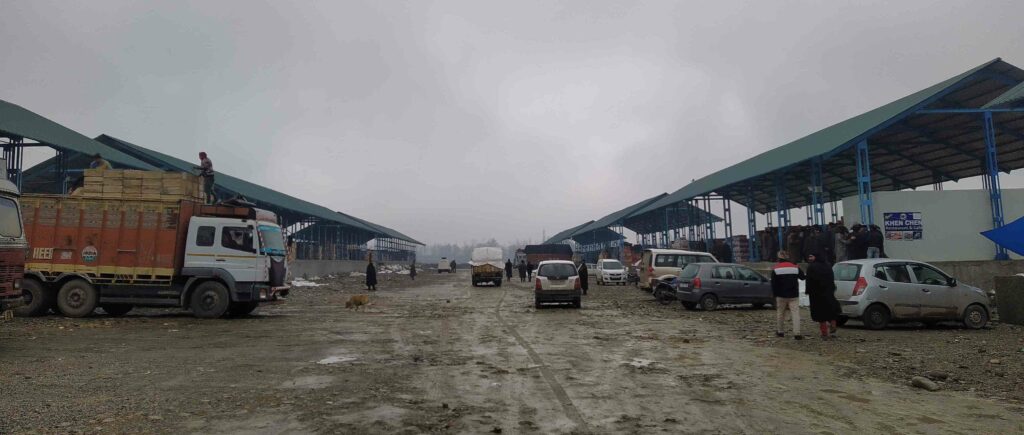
<point>975,317</point>
<point>709,302</point>
<point>77,298</point>
<point>37,299</point>
<point>689,305</point>
<point>876,317</point>
<point>117,310</point>
<point>577,303</point>
<point>662,296</point>
<point>842,321</point>
<point>210,300</point>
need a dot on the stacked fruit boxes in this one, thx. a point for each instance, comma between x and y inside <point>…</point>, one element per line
<point>740,248</point>
<point>148,185</point>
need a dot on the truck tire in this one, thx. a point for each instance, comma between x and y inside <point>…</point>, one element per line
<point>117,310</point>
<point>37,299</point>
<point>239,309</point>
<point>210,300</point>
<point>497,283</point>
<point>77,298</point>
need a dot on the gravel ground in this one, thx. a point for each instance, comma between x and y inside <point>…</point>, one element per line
<point>439,356</point>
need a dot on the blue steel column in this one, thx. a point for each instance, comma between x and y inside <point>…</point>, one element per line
<point>622,241</point>
<point>664,234</point>
<point>782,209</point>
<point>709,225</point>
<point>691,217</point>
<point>867,213</point>
<point>994,189</point>
<point>817,192</point>
<point>727,214</point>
<point>755,251</point>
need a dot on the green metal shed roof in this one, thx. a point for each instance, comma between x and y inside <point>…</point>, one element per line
<point>566,234</point>
<point>256,192</point>
<point>615,217</point>
<point>1012,97</point>
<point>822,142</point>
<point>19,121</point>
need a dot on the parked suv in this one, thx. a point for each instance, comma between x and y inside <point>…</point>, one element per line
<point>712,284</point>
<point>557,281</point>
<point>658,264</point>
<point>610,272</point>
<point>880,291</point>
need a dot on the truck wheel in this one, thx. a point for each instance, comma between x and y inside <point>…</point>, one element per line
<point>239,309</point>
<point>497,283</point>
<point>210,300</point>
<point>77,298</point>
<point>117,310</point>
<point>37,299</point>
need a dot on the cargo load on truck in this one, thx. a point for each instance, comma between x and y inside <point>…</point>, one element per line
<point>487,266</point>
<point>116,253</point>
<point>537,253</point>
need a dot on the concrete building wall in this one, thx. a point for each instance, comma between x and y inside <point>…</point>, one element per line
<point>951,221</point>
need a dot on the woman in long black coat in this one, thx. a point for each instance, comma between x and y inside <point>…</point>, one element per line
<point>584,278</point>
<point>371,277</point>
<point>821,290</point>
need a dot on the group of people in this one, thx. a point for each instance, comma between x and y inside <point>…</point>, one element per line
<point>834,242</point>
<point>525,270</point>
<point>820,289</point>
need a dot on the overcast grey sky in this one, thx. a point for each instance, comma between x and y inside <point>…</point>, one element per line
<point>460,120</point>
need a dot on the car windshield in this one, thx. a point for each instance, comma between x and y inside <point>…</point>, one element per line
<point>612,265</point>
<point>557,270</point>
<point>10,220</point>
<point>272,241</point>
<point>690,271</point>
<point>846,272</point>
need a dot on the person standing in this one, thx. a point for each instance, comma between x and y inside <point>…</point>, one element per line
<point>821,290</point>
<point>522,271</point>
<point>98,162</point>
<point>786,278</point>
<point>793,242</point>
<point>206,171</point>
<point>412,270</point>
<point>841,243</point>
<point>876,242</point>
<point>584,276</point>
<point>452,264</point>
<point>858,247</point>
<point>529,271</point>
<point>371,277</point>
<point>508,270</point>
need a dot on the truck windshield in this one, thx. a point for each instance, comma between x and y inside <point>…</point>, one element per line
<point>10,220</point>
<point>273,242</point>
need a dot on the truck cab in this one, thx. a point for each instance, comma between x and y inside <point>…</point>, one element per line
<point>444,265</point>
<point>13,244</point>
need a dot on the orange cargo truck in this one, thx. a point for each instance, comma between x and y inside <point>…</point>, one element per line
<point>117,254</point>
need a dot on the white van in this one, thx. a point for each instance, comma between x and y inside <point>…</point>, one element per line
<point>444,265</point>
<point>611,271</point>
<point>658,263</point>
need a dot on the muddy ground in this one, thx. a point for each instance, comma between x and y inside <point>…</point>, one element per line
<point>440,356</point>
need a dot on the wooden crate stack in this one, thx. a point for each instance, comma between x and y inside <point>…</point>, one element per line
<point>148,185</point>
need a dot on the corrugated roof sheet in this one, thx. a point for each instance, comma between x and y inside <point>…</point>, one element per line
<point>1012,97</point>
<point>19,121</point>
<point>566,234</point>
<point>815,144</point>
<point>256,192</point>
<point>615,217</point>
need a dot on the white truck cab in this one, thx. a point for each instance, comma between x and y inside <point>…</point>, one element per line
<point>444,265</point>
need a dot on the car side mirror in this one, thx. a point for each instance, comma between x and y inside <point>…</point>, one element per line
<point>951,282</point>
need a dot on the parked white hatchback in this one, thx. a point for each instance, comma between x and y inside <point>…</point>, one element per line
<point>611,272</point>
<point>557,281</point>
<point>880,291</point>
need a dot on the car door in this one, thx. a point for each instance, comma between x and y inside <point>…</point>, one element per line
<point>755,288</point>
<point>937,297</point>
<point>237,251</point>
<point>897,289</point>
<point>724,284</point>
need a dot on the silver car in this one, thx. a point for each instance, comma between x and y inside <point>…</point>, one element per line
<point>880,291</point>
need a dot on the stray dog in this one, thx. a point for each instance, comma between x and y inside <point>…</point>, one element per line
<point>357,301</point>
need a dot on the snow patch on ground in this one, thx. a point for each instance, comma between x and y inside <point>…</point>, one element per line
<point>299,282</point>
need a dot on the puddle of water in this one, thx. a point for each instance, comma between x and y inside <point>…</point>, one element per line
<point>336,359</point>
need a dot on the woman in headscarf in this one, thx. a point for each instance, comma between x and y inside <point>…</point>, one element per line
<point>821,290</point>
<point>584,276</point>
<point>412,270</point>
<point>371,277</point>
<point>508,270</point>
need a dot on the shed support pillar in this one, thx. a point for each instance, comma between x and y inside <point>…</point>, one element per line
<point>782,209</point>
<point>727,215</point>
<point>817,193</point>
<point>992,178</point>
<point>754,243</point>
<point>867,215</point>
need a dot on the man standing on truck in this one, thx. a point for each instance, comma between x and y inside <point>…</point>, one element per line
<point>98,162</point>
<point>206,171</point>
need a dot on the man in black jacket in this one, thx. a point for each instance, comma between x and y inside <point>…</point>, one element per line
<point>876,242</point>
<point>786,278</point>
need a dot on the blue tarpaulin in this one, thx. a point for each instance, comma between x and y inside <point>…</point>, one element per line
<point>1009,236</point>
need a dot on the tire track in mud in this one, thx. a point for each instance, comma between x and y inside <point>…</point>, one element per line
<point>568,407</point>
